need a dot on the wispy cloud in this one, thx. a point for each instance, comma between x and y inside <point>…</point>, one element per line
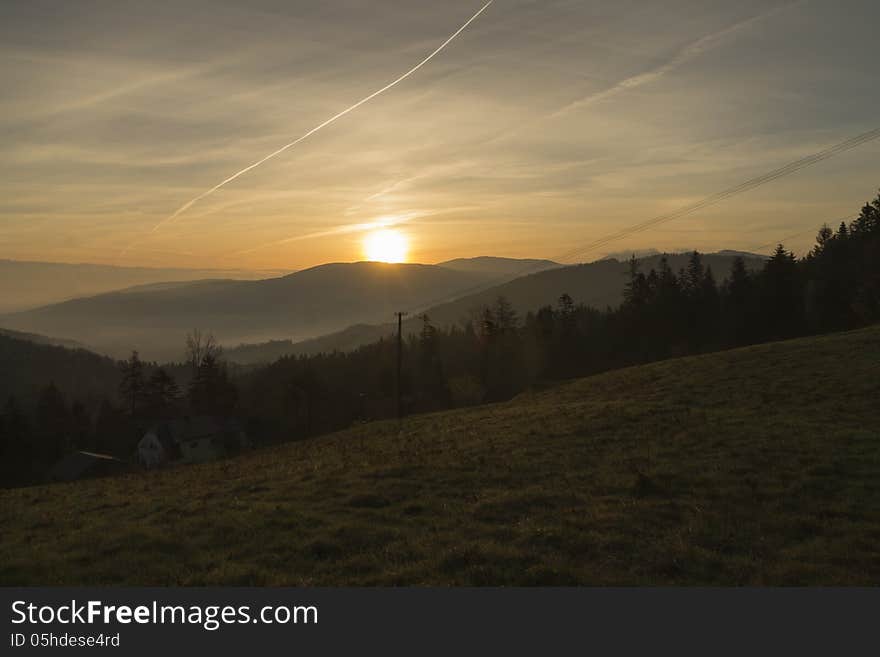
<point>555,121</point>
<point>683,56</point>
<point>382,222</point>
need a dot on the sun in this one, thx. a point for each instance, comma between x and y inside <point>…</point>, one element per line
<point>386,246</point>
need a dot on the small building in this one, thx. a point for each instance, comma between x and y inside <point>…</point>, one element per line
<point>191,440</point>
<point>84,465</point>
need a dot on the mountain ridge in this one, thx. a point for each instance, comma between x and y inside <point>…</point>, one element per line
<point>599,284</point>
<point>155,318</point>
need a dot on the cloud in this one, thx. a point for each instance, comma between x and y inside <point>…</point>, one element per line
<point>325,123</point>
<point>383,222</point>
<point>113,110</point>
<point>683,56</point>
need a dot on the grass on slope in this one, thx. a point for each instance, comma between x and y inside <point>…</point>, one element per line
<point>754,466</point>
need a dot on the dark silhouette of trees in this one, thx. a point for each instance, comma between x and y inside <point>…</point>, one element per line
<point>161,393</point>
<point>432,389</point>
<point>16,448</point>
<point>200,345</point>
<point>52,428</point>
<point>738,307</point>
<point>113,431</point>
<point>80,427</point>
<point>781,297</point>
<point>131,387</point>
<point>211,392</point>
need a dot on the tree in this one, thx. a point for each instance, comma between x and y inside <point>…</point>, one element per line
<point>113,430</point>
<point>200,345</point>
<point>823,238</point>
<point>635,292</point>
<point>304,391</point>
<point>433,391</point>
<point>15,445</point>
<point>161,392</point>
<point>210,391</point>
<point>131,388</point>
<point>566,310</point>
<point>781,295</point>
<point>692,281</point>
<point>505,316</point>
<point>52,425</point>
<point>80,426</point>
<point>487,327</point>
<point>737,299</point>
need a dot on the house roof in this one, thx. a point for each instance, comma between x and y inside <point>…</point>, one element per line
<point>76,464</point>
<point>196,427</point>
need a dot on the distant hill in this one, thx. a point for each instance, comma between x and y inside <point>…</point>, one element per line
<point>155,318</point>
<point>501,267</point>
<point>28,366</point>
<point>344,340</point>
<point>731,468</point>
<point>742,254</point>
<point>599,284</point>
<point>26,284</point>
<point>42,339</point>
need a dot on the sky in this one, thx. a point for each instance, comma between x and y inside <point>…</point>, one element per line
<point>543,126</point>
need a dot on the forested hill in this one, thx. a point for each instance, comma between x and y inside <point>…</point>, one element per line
<point>28,366</point>
<point>42,339</point>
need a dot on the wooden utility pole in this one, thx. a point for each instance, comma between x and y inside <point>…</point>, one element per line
<point>398,386</point>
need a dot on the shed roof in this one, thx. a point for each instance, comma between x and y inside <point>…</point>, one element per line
<point>78,464</point>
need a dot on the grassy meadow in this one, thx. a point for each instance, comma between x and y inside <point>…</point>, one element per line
<point>747,467</point>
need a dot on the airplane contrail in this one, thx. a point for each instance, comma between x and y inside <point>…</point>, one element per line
<point>186,206</point>
<point>683,56</point>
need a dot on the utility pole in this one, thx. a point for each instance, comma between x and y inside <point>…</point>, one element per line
<point>398,387</point>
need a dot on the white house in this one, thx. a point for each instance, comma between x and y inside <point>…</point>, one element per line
<point>152,451</point>
<point>190,440</point>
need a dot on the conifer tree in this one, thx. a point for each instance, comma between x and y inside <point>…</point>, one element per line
<point>131,388</point>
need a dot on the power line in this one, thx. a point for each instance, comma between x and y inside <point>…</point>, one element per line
<point>398,388</point>
<point>803,232</point>
<point>748,185</point>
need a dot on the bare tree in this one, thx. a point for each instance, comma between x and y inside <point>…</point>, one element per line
<point>199,346</point>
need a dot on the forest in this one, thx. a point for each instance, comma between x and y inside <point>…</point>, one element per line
<point>104,406</point>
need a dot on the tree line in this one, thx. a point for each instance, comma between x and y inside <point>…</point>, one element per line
<point>492,356</point>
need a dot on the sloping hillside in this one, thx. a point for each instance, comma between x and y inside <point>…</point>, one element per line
<point>27,366</point>
<point>754,466</point>
<point>36,338</point>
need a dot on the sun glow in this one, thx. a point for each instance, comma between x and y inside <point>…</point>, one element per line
<point>386,246</point>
